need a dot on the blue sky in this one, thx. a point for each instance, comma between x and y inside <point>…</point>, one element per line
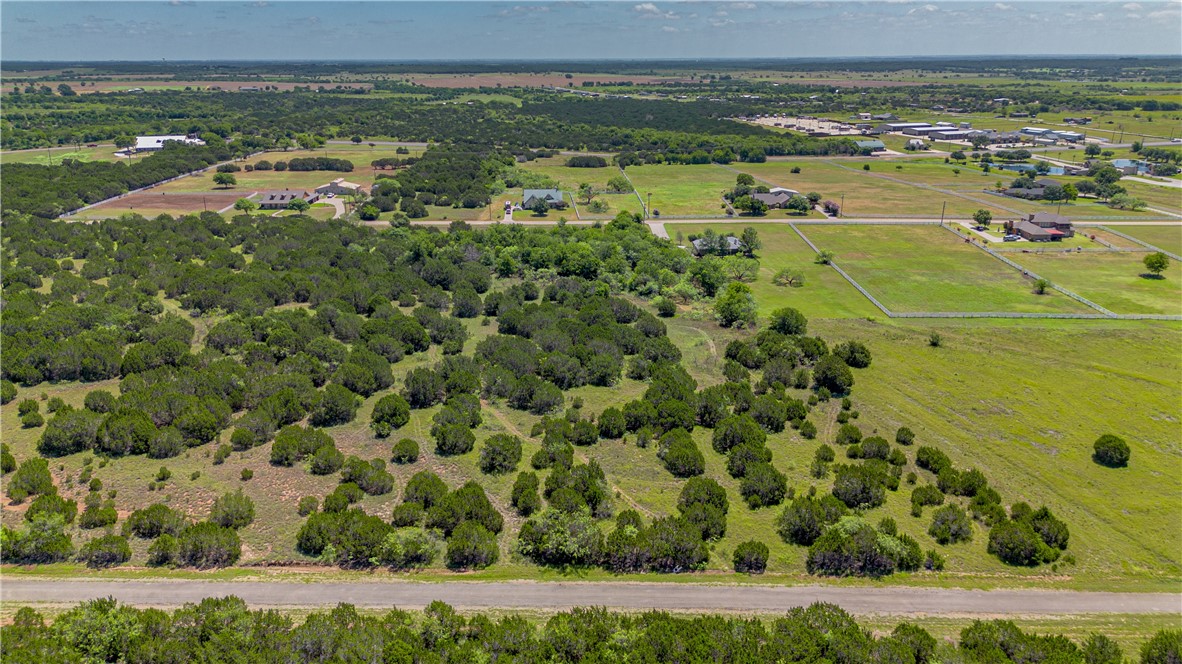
<point>317,30</point>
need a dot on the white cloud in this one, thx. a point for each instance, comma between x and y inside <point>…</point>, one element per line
<point>646,8</point>
<point>1165,14</point>
<point>1131,6</point>
<point>1003,7</point>
<point>743,5</point>
<point>669,28</point>
<point>721,22</point>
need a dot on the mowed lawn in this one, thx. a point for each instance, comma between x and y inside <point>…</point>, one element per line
<point>825,293</point>
<point>683,191</point>
<point>926,268</point>
<point>1113,280</point>
<point>1166,238</point>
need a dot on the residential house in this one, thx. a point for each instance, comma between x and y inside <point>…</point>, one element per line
<point>280,198</point>
<point>733,245</point>
<point>1044,227</point>
<point>553,197</point>
<point>776,201</point>
<point>916,144</point>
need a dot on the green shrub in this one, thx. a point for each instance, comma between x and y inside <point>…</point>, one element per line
<point>500,454</point>
<point>105,551</point>
<point>471,546</point>
<point>751,557</point>
<point>163,551</point>
<point>155,520</point>
<point>51,503</point>
<point>232,510</point>
<point>525,494</point>
<point>31,478</point>
<point>207,544</point>
<point>405,451</point>
<point>307,505</point>
<point>1111,451</point>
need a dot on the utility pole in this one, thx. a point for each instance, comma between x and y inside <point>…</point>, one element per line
<point>841,210</point>
<point>943,207</point>
<point>648,210</point>
<point>204,204</point>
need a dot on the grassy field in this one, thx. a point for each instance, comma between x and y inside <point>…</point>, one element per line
<point>925,268</point>
<point>1168,238</point>
<point>870,193</point>
<point>683,191</point>
<point>569,178</point>
<point>56,155</point>
<point>825,293</point>
<point>1112,280</point>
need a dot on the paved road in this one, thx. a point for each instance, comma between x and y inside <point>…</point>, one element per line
<point>528,595</point>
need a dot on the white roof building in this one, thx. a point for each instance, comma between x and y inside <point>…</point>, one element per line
<point>157,142</point>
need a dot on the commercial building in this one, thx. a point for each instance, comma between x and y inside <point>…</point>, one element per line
<point>153,143</point>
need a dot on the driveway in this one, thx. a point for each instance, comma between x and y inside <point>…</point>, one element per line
<point>337,204</point>
<point>561,596</point>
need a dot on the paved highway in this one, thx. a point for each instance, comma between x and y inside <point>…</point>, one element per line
<point>558,596</point>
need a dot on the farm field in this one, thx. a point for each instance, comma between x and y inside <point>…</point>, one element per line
<point>1112,280</point>
<point>683,191</point>
<point>1158,196</point>
<point>1168,238</point>
<point>926,268</point>
<point>825,293</point>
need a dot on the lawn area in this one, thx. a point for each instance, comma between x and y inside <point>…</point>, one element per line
<point>926,268</point>
<point>1167,238</point>
<point>1112,280</point>
<point>683,191</point>
<point>616,203</point>
<point>825,293</point>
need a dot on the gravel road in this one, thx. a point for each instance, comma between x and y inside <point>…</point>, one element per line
<point>557,596</point>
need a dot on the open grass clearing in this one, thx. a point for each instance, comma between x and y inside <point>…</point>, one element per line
<point>683,191</point>
<point>1115,281</point>
<point>569,178</point>
<point>926,268</point>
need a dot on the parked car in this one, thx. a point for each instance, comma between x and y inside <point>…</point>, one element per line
<point>1011,238</point>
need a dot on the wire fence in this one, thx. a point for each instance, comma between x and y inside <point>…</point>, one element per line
<point>1103,314</point>
<point>1143,243</point>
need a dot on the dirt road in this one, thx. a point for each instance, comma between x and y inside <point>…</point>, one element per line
<point>558,596</point>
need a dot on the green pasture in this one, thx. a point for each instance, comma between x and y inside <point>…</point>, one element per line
<point>925,268</point>
<point>825,293</point>
<point>689,191</point>
<point>1168,238</point>
<point>1115,281</point>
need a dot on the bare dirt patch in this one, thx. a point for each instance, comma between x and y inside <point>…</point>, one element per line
<point>159,202</point>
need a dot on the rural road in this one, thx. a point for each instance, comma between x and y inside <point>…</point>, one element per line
<point>559,596</point>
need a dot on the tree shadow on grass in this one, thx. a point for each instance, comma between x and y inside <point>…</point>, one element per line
<point>1151,276</point>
